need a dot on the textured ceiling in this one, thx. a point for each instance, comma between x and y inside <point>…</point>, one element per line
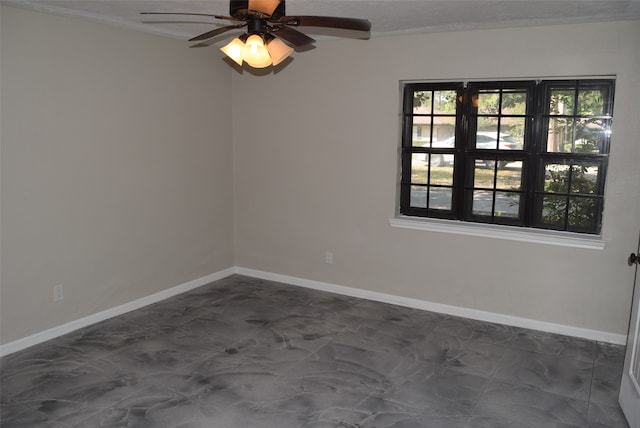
<point>388,17</point>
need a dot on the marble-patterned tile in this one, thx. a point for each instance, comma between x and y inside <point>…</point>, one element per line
<point>333,302</point>
<point>154,407</point>
<point>246,393</point>
<point>112,335</point>
<point>270,348</point>
<point>220,389</point>
<point>345,320</point>
<point>309,400</point>
<point>21,416</point>
<point>242,401</point>
<point>232,363</point>
<point>71,396</point>
<point>506,405</point>
<point>55,350</point>
<point>462,328</point>
<point>555,344</point>
<point>609,353</point>
<point>362,367</point>
<point>494,333</point>
<point>605,385</point>
<point>395,314</point>
<point>212,332</point>
<point>604,416</point>
<point>428,389</point>
<point>160,354</point>
<point>472,356</point>
<point>306,327</point>
<point>378,411</point>
<point>37,367</point>
<point>466,353</point>
<point>397,339</point>
<point>246,352</point>
<point>563,376</point>
<point>389,415</point>
<point>255,311</point>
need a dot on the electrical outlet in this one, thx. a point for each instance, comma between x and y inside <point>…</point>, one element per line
<point>328,257</point>
<point>58,293</point>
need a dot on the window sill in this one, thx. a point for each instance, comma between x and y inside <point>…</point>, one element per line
<point>536,236</point>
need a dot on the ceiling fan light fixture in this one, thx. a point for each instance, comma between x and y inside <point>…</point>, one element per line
<point>269,33</point>
<point>255,53</point>
<point>234,50</point>
<point>278,50</point>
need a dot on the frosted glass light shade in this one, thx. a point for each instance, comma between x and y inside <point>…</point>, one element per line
<point>234,50</point>
<point>255,53</point>
<point>264,6</point>
<point>278,50</point>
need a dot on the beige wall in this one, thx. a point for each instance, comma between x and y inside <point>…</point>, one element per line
<point>316,169</point>
<point>116,168</point>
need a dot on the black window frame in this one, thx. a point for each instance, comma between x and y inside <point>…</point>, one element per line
<point>533,198</point>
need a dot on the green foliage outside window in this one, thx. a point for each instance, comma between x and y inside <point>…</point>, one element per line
<point>566,185</point>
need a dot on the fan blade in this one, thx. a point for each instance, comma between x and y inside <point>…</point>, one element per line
<point>265,6</point>
<point>292,36</point>
<point>199,45</point>
<point>229,18</point>
<point>213,33</point>
<point>326,21</point>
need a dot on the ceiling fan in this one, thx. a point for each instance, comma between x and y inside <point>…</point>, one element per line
<point>267,24</point>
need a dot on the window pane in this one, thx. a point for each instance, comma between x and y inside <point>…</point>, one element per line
<point>582,213</point>
<point>509,177</point>
<point>512,133</point>
<point>440,198</point>
<point>487,133</point>
<point>560,135</point>
<point>556,178</point>
<point>444,131</point>
<point>422,101</point>
<point>553,210</point>
<point>507,204</point>
<point>590,134</point>
<point>438,160</point>
<point>444,102</point>
<point>418,197</point>
<point>419,168</point>
<point>482,202</point>
<point>561,101</point>
<point>514,102</point>
<point>591,101</point>
<point>442,175</point>
<point>483,177</point>
<point>421,135</point>
<point>488,102</point>
<point>487,140</point>
<point>584,179</point>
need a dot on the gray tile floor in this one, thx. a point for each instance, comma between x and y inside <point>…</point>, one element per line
<point>244,352</point>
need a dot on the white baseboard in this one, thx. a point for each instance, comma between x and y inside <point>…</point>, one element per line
<point>54,332</point>
<point>60,330</point>
<point>601,336</point>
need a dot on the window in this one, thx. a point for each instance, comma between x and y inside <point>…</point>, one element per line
<point>523,153</point>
